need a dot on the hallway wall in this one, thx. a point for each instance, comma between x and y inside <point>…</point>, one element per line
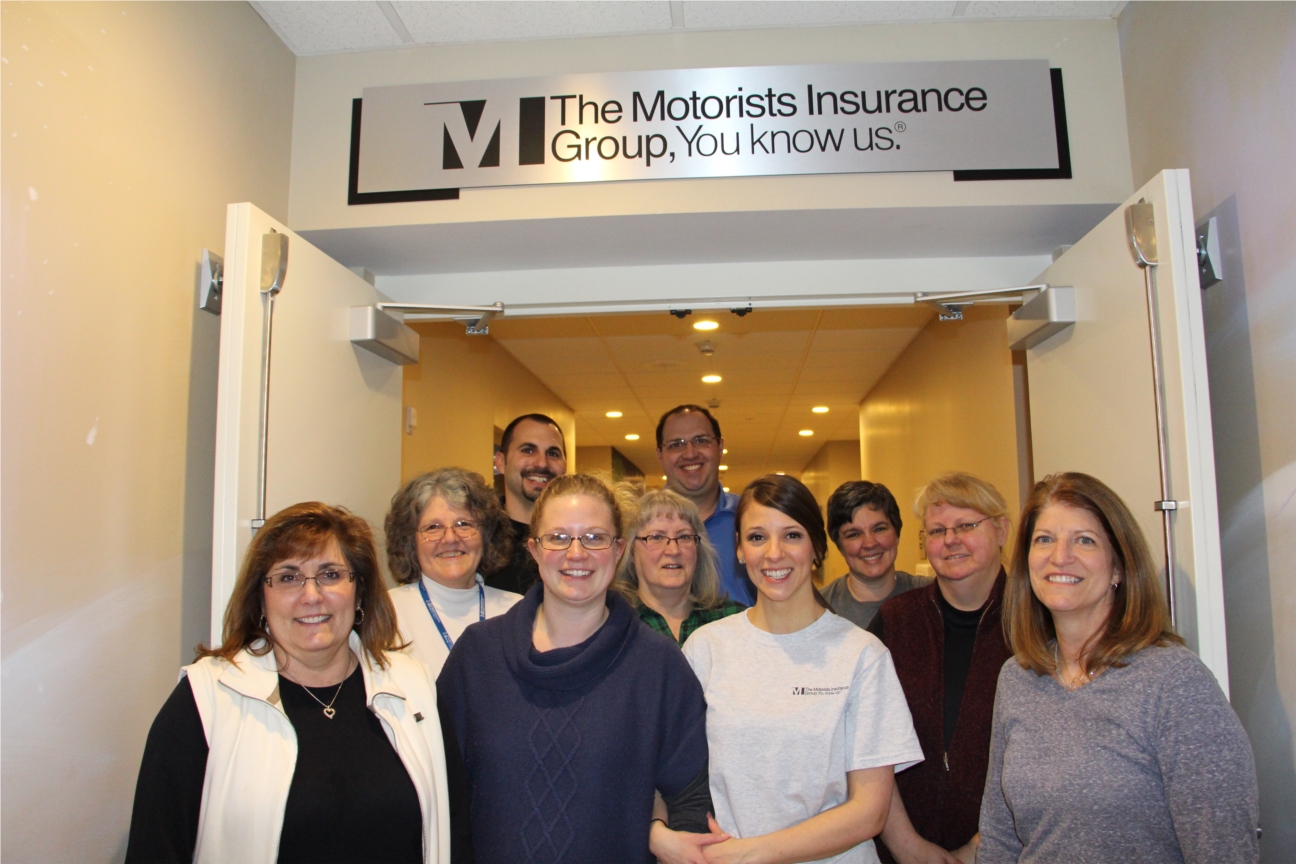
<point>127,129</point>
<point>834,464</point>
<point>946,404</point>
<point>1208,87</point>
<point>464,387</point>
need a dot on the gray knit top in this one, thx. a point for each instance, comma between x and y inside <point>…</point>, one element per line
<point>1147,763</point>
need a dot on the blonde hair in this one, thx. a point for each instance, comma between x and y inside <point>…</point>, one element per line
<point>958,489</point>
<point>705,588</point>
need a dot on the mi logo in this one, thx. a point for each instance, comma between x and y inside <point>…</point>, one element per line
<point>470,132</point>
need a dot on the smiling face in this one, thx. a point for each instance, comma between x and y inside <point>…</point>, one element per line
<point>778,553</point>
<point>964,554</point>
<point>1072,564</point>
<point>576,576</point>
<point>671,567</point>
<point>869,543</point>
<point>692,471</point>
<point>311,623</point>
<point>451,561</point>
<point>535,456</point>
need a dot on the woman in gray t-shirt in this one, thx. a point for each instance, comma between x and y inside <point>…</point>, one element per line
<point>864,523</point>
<point>1111,739</point>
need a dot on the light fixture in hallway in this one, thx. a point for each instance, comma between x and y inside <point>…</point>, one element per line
<point>711,379</point>
<point>632,437</point>
<point>820,409</point>
<point>806,433</point>
<point>705,325</point>
<point>613,414</point>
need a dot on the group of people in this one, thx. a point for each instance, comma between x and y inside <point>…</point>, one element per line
<point>579,673</point>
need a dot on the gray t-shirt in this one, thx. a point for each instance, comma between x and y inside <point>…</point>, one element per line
<point>1145,763</point>
<point>789,714</point>
<point>861,613</point>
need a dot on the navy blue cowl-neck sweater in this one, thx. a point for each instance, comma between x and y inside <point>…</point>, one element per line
<point>561,750</point>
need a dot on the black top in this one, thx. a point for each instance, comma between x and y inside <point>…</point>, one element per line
<point>351,799</point>
<point>521,572</point>
<point>960,638</point>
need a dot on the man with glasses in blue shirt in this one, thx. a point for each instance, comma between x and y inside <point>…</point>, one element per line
<point>689,446</point>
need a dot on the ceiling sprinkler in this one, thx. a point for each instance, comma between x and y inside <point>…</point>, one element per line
<point>706,347</point>
<point>713,403</point>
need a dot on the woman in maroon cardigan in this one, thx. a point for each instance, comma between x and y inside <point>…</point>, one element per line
<point>948,646</point>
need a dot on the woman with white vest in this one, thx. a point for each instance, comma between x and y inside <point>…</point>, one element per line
<point>444,531</point>
<point>306,735</point>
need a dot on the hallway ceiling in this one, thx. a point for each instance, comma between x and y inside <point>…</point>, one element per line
<point>327,27</point>
<point>775,367</point>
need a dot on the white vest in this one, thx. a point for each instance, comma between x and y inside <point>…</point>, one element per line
<point>252,752</point>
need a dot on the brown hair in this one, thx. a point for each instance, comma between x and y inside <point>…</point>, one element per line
<point>793,499</point>
<point>705,591</point>
<point>299,531</point>
<point>1138,618</point>
<point>460,488</point>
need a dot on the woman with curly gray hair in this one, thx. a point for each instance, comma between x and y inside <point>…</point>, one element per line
<point>444,531</point>
<point>669,574</point>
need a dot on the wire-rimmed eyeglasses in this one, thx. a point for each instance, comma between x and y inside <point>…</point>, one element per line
<point>954,532</point>
<point>328,579</point>
<point>699,442</point>
<point>661,541</point>
<point>593,541</point>
<point>435,533</point>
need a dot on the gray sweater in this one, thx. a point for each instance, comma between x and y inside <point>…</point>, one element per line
<point>1145,763</point>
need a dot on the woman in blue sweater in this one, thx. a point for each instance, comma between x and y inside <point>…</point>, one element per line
<point>566,718</point>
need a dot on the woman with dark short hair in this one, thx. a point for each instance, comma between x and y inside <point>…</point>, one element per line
<point>445,532</point>
<point>864,523</point>
<point>1112,741</point>
<point>305,735</point>
<point>806,722</point>
<point>669,572</point>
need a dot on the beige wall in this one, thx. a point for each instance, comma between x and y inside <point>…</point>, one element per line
<point>1209,87</point>
<point>946,404</point>
<point>834,464</point>
<point>464,387</point>
<point>1087,52</point>
<point>127,128</point>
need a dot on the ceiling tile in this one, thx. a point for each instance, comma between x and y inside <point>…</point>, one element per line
<point>327,28</point>
<point>734,14</point>
<point>450,21</point>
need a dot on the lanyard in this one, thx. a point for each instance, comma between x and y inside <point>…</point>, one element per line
<point>436,619</point>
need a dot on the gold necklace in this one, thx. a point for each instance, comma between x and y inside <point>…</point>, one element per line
<point>1083,679</point>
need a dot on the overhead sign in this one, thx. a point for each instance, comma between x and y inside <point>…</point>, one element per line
<point>422,141</point>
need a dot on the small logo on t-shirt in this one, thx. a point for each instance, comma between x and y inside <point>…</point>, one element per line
<point>818,691</point>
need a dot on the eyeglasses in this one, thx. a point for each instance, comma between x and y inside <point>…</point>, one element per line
<point>699,442</point>
<point>661,541</point>
<point>291,581</point>
<point>435,533</point>
<point>592,542</point>
<point>954,531</point>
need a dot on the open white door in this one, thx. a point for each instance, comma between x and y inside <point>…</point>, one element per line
<point>334,409</point>
<point>1091,397</point>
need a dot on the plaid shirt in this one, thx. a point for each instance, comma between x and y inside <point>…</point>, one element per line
<point>696,618</point>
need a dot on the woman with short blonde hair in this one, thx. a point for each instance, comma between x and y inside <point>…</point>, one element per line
<point>948,647</point>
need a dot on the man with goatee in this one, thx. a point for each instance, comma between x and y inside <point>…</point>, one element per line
<point>532,452</point>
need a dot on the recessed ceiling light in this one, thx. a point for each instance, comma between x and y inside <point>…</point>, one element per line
<point>613,414</point>
<point>711,379</point>
<point>806,433</point>
<point>726,488</point>
<point>663,476</point>
<point>780,473</point>
<point>632,437</point>
<point>705,325</point>
<point>725,450</point>
<point>724,467</point>
<point>818,409</point>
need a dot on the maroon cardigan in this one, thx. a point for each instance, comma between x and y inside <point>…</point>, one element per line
<point>942,794</point>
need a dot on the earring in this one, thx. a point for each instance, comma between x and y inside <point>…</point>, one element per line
<point>359,616</point>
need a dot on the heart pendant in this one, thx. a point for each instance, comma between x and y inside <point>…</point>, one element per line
<point>329,712</point>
